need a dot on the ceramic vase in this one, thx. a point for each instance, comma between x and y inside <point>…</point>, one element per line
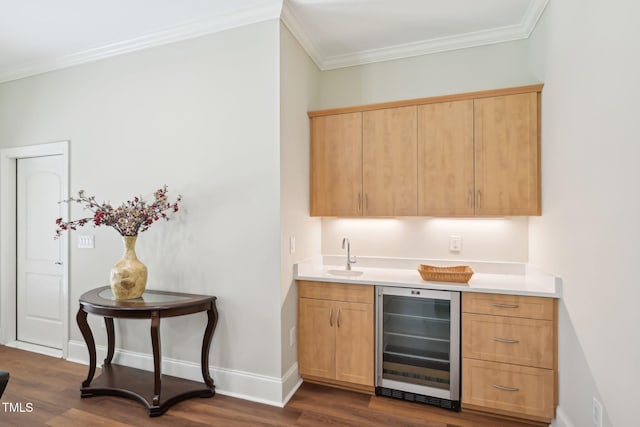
<point>129,275</point>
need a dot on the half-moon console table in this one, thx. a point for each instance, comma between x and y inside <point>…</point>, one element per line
<point>152,389</point>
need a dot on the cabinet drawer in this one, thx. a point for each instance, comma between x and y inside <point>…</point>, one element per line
<point>520,390</point>
<point>508,339</point>
<point>336,291</point>
<point>508,305</point>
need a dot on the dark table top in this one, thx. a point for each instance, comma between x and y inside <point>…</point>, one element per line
<point>102,301</point>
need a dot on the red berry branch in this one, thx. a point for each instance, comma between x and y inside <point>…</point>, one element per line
<point>128,219</point>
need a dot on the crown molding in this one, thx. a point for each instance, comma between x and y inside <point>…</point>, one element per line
<point>292,22</point>
<point>272,10</point>
<point>480,38</point>
<point>532,15</point>
<point>443,44</point>
<point>266,11</point>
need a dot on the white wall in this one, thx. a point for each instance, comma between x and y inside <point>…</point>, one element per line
<point>466,70</point>
<point>298,90</point>
<point>203,117</point>
<point>586,53</point>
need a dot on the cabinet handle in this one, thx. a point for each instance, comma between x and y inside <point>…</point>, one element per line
<point>501,387</point>
<point>359,202</point>
<point>506,340</point>
<point>506,305</point>
<point>338,318</point>
<point>478,200</point>
<point>470,199</point>
<point>366,204</point>
<point>331,316</point>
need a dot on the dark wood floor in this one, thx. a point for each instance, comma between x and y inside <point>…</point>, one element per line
<point>51,387</point>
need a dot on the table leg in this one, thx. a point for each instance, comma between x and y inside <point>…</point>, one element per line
<point>157,362</point>
<point>81,318</point>
<point>110,339</point>
<point>212,320</point>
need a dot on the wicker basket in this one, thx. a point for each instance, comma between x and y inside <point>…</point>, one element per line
<point>458,274</point>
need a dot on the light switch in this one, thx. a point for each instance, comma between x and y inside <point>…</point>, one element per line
<point>455,243</point>
<point>86,242</point>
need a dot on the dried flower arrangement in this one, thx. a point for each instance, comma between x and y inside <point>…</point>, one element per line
<point>130,218</point>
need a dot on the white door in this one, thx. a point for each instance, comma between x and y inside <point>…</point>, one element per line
<point>39,270</point>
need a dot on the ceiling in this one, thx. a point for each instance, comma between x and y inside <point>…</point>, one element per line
<point>37,36</point>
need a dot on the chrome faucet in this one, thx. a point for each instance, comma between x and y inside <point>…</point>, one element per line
<point>350,259</point>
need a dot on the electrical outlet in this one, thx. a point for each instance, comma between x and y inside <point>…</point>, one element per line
<point>455,243</point>
<point>292,336</point>
<point>292,245</point>
<point>597,413</point>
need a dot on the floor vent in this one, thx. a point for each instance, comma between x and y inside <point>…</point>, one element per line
<point>453,405</point>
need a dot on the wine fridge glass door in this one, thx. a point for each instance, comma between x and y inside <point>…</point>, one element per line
<point>418,341</point>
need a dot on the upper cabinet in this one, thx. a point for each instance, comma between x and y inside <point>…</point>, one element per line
<point>364,163</point>
<point>465,155</point>
<point>336,165</point>
<point>507,155</point>
<point>389,168</point>
<point>445,159</point>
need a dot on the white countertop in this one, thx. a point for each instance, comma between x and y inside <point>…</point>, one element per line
<point>490,277</point>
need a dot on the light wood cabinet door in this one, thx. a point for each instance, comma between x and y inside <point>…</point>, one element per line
<point>445,159</point>
<point>335,291</point>
<point>507,155</point>
<point>316,338</point>
<point>389,162</point>
<point>509,305</point>
<point>336,165</point>
<point>354,343</point>
<point>336,334</point>
<point>508,339</point>
<point>508,389</point>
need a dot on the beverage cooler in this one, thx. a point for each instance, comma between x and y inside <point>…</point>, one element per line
<point>418,345</point>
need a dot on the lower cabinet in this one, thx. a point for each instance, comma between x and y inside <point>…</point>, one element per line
<point>509,355</point>
<point>522,391</point>
<point>336,334</point>
<point>509,347</point>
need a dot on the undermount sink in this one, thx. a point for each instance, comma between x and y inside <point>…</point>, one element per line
<point>351,273</point>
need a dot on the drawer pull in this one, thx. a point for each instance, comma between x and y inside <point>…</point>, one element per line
<point>501,387</point>
<point>506,305</point>
<point>506,340</point>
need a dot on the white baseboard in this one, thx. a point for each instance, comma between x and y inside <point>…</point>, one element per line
<point>229,382</point>
<point>291,382</point>
<point>561,420</point>
<point>34,348</point>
